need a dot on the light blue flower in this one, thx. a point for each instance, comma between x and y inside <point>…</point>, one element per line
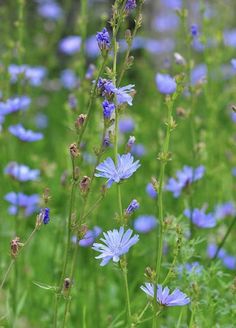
<point>163,296</point>
<point>24,135</point>
<point>116,244</point>
<point>145,223</point>
<point>200,218</point>
<point>165,83</point>
<point>70,45</point>
<point>21,172</point>
<point>124,168</point>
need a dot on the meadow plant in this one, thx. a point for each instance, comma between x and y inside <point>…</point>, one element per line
<point>117,144</point>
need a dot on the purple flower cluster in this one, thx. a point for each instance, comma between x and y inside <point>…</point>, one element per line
<point>103,40</point>
<point>133,206</point>
<point>115,244</point>
<point>184,178</point>
<point>200,218</point>
<point>130,5</point>
<point>108,109</point>
<point>164,297</point>
<point>124,168</point>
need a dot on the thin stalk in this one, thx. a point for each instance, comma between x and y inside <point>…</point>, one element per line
<point>225,237</point>
<point>127,293</point>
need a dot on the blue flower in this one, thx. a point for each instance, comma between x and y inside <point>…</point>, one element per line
<point>138,150</point>
<point>126,124</point>
<point>46,215</point>
<point>233,171</point>
<point>133,206</point>
<point>123,96</point>
<point>69,79</point>
<point>108,108</point>
<point>227,260</point>
<point>19,200</point>
<point>233,63</point>
<point>200,218</point>
<point>13,105</point>
<point>50,10</point>
<point>33,74</point>
<point>21,172</point>
<point>116,244</point>
<point>163,296</point>
<point>185,177</point>
<point>70,45</point>
<point>24,135</point>
<point>103,40</point>
<point>145,223</point>
<point>230,38</point>
<point>190,268</point>
<point>165,83</point>
<point>224,210</point>
<point>130,5</point>
<point>124,168</point>
<point>90,236</point>
<point>194,30</point>
<point>198,74</point>
<point>151,191</point>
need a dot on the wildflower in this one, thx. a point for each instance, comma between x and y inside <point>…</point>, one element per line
<point>116,244</point>
<point>165,83</point>
<point>123,96</point>
<point>190,268</point>
<point>72,102</point>
<point>69,79</point>
<point>13,105</point>
<point>179,59</point>
<point>198,74</point>
<point>20,200</point>
<point>103,40</point>
<point>32,74</point>
<point>46,215</point>
<point>145,223</point>
<point>151,190</point>
<point>24,135</point>
<point>194,30</point>
<point>200,218</point>
<point>133,206</point>
<point>130,5</point>
<point>50,10</point>
<point>233,63</point>
<point>21,172</point>
<point>90,72</point>
<point>224,210</point>
<point>70,45</point>
<point>230,38</point>
<point>227,260</point>
<point>90,236</point>
<point>163,296</point>
<point>108,108</point>
<point>138,150</point>
<point>124,168</point>
<point>212,249</point>
<point>126,124</point>
<point>131,142</point>
<point>185,177</point>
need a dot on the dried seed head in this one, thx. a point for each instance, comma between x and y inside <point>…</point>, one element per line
<point>67,283</point>
<point>15,245</point>
<point>84,184</point>
<point>80,121</point>
<point>74,151</point>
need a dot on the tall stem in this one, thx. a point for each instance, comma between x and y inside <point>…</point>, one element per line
<point>225,237</point>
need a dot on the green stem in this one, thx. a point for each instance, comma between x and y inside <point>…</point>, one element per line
<point>129,314</point>
<point>225,237</point>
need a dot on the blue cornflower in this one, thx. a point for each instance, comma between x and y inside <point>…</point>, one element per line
<point>108,108</point>
<point>21,172</point>
<point>46,215</point>
<point>90,236</point>
<point>185,177</point>
<point>163,296</point>
<point>13,105</point>
<point>24,135</point>
<point>116,244</point>
<point>70,45</point>
<point>200,218</point>
<point>150,190</point>
<point>165,83</point>
<point>130,5</point>
<point>145,223</point>
<point>194,30</point>
<point>19,200</point>
<point>224,210</point>
<point>124,168</point>
<point>103,40</point>
<point>133,206</point>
